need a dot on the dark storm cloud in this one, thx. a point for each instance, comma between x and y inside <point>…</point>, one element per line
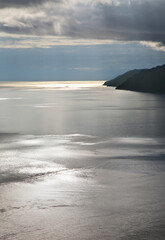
<point>138,21</point>
<point>21,3</point>
<point>123,20</point>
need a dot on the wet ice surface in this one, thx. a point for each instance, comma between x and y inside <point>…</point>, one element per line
<point>92,167</point>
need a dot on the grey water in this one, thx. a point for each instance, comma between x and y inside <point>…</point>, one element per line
<point>82,163</point>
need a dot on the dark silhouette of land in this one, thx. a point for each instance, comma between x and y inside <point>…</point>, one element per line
<point>121,78</point>
<point>145,80</point>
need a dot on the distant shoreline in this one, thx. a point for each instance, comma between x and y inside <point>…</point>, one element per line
<point>141,80</point>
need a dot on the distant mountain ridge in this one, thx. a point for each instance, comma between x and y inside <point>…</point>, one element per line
<point>121,78</point>
<point>145,80</point>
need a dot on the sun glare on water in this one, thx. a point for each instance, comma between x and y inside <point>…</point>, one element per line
<point>59,85</point>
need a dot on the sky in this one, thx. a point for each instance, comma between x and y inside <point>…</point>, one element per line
<point>46,40</point>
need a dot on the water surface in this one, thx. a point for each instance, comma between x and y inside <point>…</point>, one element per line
<point>81,163</point>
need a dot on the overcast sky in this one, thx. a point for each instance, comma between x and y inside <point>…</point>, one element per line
<point>77,24</point>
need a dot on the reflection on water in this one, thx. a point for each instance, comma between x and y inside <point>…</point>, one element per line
<point>97,111</point>
<point>84,164</point>
<point>26,157</point>
<point>61,85</point>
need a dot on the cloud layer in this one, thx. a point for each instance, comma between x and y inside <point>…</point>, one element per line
<point>119,20</point>
<point>22,3</point>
